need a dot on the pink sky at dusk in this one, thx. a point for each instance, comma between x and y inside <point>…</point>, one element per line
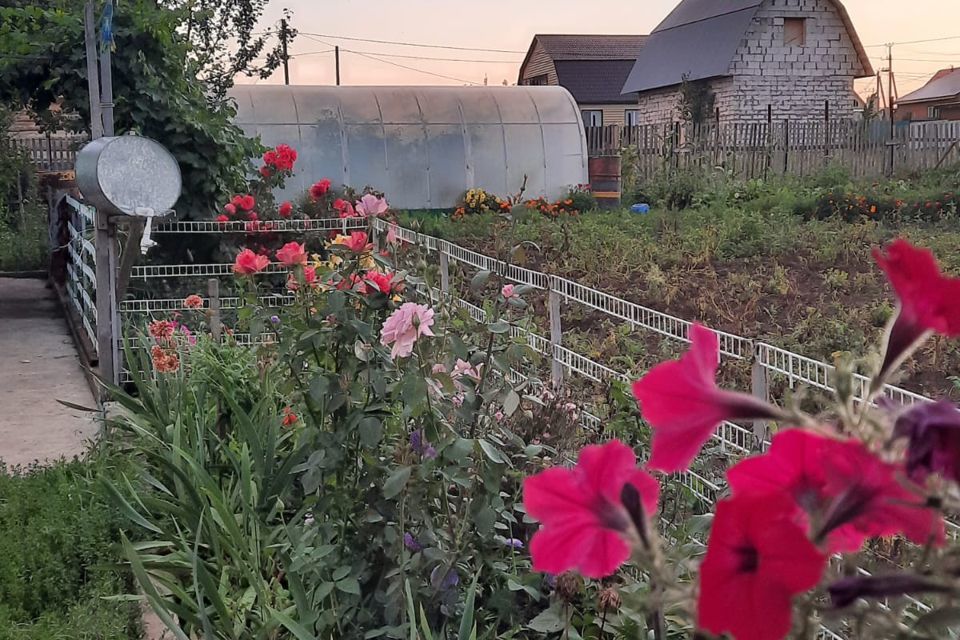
<point>510,25</point>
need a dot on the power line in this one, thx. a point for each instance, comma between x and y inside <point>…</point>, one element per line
<point>403,66</point>
<point>400,55</point>
<point>915,41</point>
<point>410,44</point>
<point>311,53</point>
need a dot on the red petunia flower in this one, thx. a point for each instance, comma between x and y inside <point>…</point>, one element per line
<point>285,210</point>
<point>841,486</point>
<point>249,263</point>
<point>681,401</point>
<point>929,301</point>
<point>382,282</point>
<point>292,254</point>
<point>933,432</point>
<point>320,189</point>
<point>757,560</point>
<point>585,526</point>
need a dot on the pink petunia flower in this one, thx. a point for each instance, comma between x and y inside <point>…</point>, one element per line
<point>681,401</point>
<point>585,526</point>
<point>370,206</point>
<point>405,326</point>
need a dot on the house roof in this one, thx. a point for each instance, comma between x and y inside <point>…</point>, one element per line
<point>594,81</point>
<point>699,39</point>
<point>943,85</point>
<point>589,47</point>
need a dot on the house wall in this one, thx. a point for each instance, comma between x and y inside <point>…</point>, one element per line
<point>919,111</point>
<point>540,63</point>
<point>795,81</point>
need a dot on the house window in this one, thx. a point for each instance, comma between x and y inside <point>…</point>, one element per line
<point>933,113</point>
<point>592,117</point>
<point>632,117</point>
<point>794,32</point>
<point>536,81</point>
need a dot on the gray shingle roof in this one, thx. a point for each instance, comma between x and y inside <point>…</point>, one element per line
<point>699,39</point>
<point>595,81</point>
<point>590,47</point>
<point>947,85</point>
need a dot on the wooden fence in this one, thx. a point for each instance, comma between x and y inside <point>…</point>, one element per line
<point>761,149</point>
<point>52,153</point>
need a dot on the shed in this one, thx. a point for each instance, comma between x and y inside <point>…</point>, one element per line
<point>422,146</point>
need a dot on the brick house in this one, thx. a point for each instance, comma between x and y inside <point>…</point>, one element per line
<point>791,56</point>
<point>592,68</point>
<point>939,99</point>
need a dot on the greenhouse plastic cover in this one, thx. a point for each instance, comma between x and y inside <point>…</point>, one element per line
<point>422,146</point>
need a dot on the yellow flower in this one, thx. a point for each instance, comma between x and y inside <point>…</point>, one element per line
<point>367,262</point>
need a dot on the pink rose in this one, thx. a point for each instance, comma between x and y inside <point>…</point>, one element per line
<point>405,326</point>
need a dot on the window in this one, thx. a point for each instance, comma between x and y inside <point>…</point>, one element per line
<point>592,117</point>
<point>794,32</point>
<point>933,113</point>
<point>536,81</point>
<point>632,117</point>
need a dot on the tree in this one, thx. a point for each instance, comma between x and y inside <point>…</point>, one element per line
<point>223,42</point>
<point>42,62</point>
<point>696,101</point>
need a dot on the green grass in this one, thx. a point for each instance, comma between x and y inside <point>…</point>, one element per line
<point>59,557</point>
<point>23,241</point>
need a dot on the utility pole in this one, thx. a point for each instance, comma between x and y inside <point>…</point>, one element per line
<point>106,73</point>
<point>284,37</point>
<point>336,57</point>
<point>890,103</point>
<point>93,78</point>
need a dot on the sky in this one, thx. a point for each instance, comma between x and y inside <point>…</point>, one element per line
<point>501,32</point>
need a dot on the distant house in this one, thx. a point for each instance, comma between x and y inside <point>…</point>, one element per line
<point>788,56</point>
<point>939,99</point>
<point>592,68</point>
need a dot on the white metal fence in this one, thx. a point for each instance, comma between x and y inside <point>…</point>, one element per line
<point>81,267</point>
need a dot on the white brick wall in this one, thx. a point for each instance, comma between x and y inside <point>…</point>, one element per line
<point>794,81</point>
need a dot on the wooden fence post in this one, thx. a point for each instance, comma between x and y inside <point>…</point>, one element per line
<point>213,316</point>
<point>556,334</point>
<point>760,388</point>
<point>444,270</point>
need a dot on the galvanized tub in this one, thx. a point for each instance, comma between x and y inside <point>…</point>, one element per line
<point>129,175</point>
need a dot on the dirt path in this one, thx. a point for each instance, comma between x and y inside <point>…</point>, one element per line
<point>38,366</point>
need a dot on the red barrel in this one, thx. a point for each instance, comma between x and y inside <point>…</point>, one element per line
<point>605,181</point>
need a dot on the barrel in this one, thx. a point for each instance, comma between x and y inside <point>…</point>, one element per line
<point>605,181</point>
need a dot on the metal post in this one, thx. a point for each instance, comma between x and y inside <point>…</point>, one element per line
<point>213,291</point>
<point>444,270</point>
<point>107,342</point>
<point>556,335</point>
<point>93,80</point>
<point>286,58</point>
<point>106,81</point>
<point>760,388</point>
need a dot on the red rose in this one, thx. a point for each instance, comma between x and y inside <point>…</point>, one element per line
<point>285,210</point>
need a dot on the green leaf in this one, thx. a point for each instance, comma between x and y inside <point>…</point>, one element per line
<point>466,622</point>
<point>371,431</point>
<point>293,627</point>
<point>499,327</point>
<point>480,280</point>
<point>511,403</point>
<point>349,585</point>
<point>549,621</point>
<point>128,510</point>
<point>396,482</point>
<point>340,573</point>
<point>491,452</point>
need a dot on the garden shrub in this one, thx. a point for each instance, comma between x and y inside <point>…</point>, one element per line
<point>59,556</point>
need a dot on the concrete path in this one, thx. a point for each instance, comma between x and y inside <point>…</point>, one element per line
<point>38,366</point>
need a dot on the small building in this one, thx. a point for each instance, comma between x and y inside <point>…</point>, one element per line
<point>592,68</point>
<point>939,99</point>
<point>750,60</point>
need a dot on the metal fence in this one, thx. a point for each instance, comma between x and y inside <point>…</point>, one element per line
<point>763,149</point>
<point>81,268</point>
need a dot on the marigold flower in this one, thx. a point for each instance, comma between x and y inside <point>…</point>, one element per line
<point>320,189</point>
<point>933,434</point>
<point>292,254</point>
<point>757,560</point>
<point>681,401</point>
<point>249,263</point>
<point>193,301</point>
<point>285,210</point>
<point>850,493</point>
<point>584,524</point>
<point>928,300</point>
<point>404,327</point>
<point>370,206</point>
